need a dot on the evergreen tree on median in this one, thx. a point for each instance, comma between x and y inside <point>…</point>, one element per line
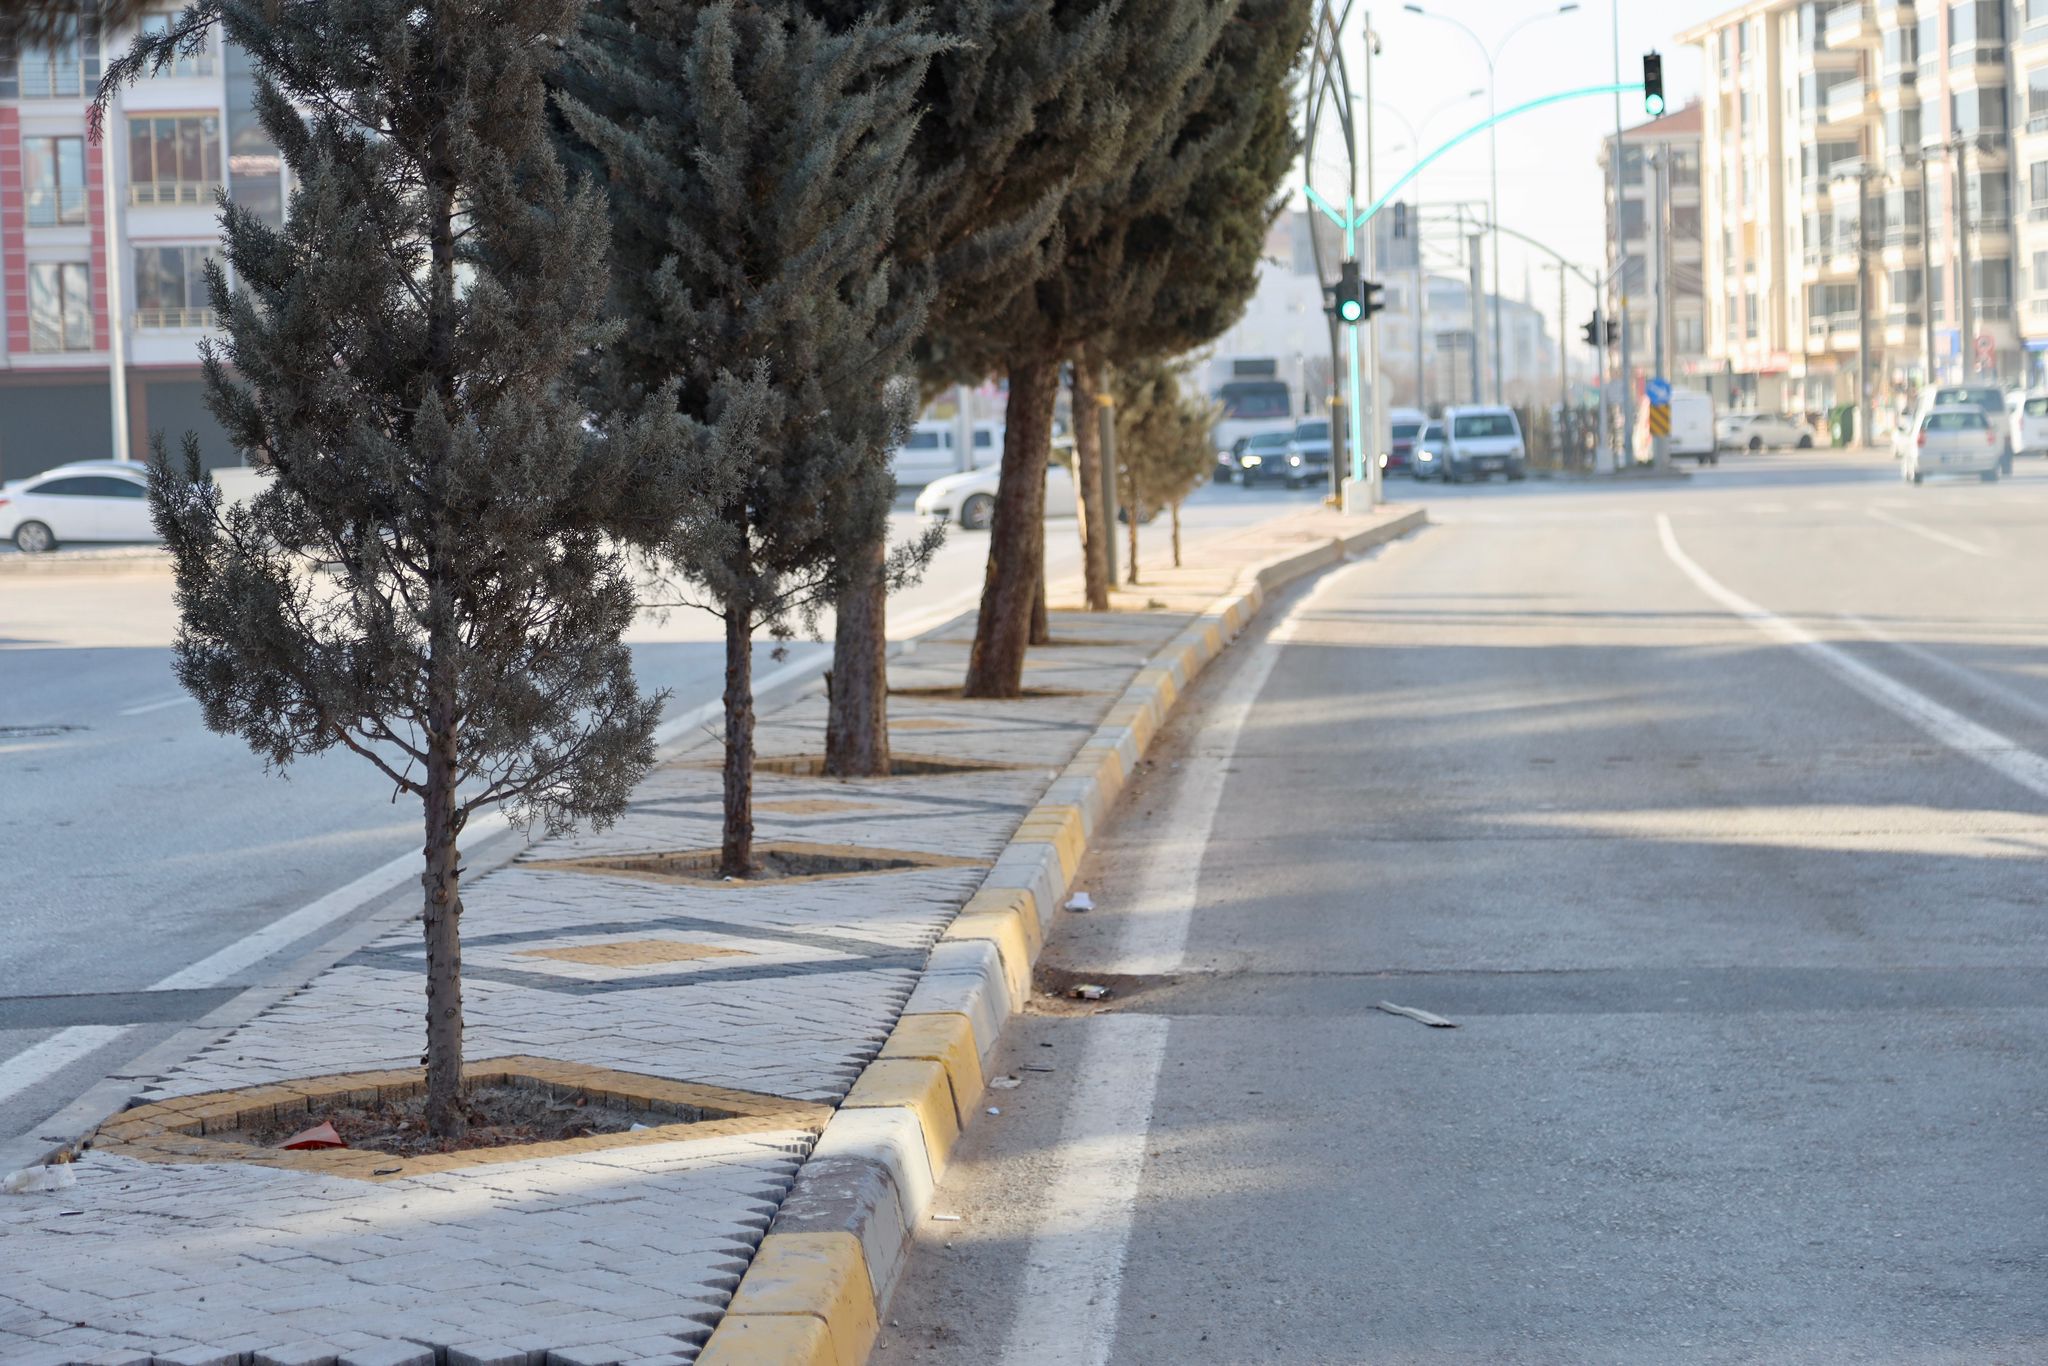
<point>1163,448</point>
<point>427,577</point>
<point>756,160</point>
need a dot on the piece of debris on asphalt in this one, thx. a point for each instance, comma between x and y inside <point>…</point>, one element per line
<point>386,1171</point>
<point>995,1109</point>
<point>945,1218</point>
<point>1420,1016</point>
<point>1036,1067</point>
<point>321,1135</point>
<point>1080,901</point>
<point>1088,991</point>
<point>1004,1083</point>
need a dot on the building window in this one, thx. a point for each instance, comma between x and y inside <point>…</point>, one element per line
<point>2040,274</point>
<point>1688,335</point>
<point>185,63</point>
<point>65,70</point>
<point>2037,12</point>
<point>174,160</point>
<point>59,306</point>
<point>1990,201</point>
<point>1749,315</point>
<point>53,180</point>
<point>2037,184</point>
<point>1978,111</point>
<point>170,287</point>
<point>1905,287</point>
<point>1991,281</point>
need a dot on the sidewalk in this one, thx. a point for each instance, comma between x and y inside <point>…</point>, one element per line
<point>746,1012</point>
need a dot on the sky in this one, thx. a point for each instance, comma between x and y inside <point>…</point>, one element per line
<point>1549,172</point>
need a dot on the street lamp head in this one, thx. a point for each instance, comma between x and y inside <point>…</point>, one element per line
<point>1415,9</point>
<point>1568,7</point>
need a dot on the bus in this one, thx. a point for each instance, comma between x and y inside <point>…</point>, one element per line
<point>1257,394</point>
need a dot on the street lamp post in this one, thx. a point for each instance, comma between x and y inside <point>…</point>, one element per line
<point>1492,56</point>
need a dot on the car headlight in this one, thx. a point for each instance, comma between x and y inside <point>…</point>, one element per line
<point>1294,460</point>
<point>1425,455</point>
<point>1517,453</point>
<point>1248,460</point>
<point>1383,459</point>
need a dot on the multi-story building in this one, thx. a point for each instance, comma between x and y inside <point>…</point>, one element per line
<point>2029,57</point>
<point>1836,136</point>
<point>103,246</point>
<point>1663,152</point>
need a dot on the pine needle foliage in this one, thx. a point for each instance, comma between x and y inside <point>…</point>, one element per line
<point>1163,448</point>
<point>428,577</point>
<point>755,160</point>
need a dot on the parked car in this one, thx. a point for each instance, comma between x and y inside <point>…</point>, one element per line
<point>1482,439</point>
<point>1429,452</point>
<point>1404,425</point>
<point>2027,430</point>
<point>1956,439</point>
<point>93,500</point>
<point>1262,458</point>
<point>1308,453</point>
<point>970,496</point>
<point>1755,431</point>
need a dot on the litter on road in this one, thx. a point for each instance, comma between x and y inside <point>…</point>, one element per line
<point>1088,991</point>
<point>1004,1083</point>
<point>1080,901</point>
<point>35,1180</point>
<point>1422,1016</point>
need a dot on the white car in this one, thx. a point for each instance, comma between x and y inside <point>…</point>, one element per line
<point>1954,440</point>
<point>93,500</point>
<point>928,453</point>
<point>969,498</point>
<point>1755,431</point>
<point>2030,426</point>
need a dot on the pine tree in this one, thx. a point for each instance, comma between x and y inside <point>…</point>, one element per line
<point>756,161</point>
<point>427,578</point>
<point>1162,445</point>
<point>36,23</point>
<point>1005,127</point>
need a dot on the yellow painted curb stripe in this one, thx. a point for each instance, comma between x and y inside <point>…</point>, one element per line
<point>946,1038</point>
<point>815,1278</point>
<point>918,1086</point>
<point>756,1339</point>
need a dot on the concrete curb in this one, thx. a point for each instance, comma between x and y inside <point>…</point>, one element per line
<point>821,1278</point>
<point>87,562</point>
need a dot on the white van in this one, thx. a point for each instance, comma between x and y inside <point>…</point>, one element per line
<point>1692,428</point>
<point>928,454</point>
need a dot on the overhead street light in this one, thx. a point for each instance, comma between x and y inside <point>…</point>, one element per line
<point>1491,57</point>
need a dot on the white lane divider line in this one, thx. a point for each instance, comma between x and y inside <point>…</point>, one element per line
<point>1995,751</point>
<point>36,1064</point>
<point>142,708</point>
<point>1970,678</point>
<point>1073,1281</point>
<point>1074,1272</point>
<point>1938,537</point>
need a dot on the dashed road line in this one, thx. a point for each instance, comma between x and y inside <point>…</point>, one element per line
<point>1938,537</point>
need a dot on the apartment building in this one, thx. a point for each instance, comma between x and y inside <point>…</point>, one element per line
<point>1660,177</point>
<point>2029,57</point>
<point>103,245</point>
<point>1845,139</point>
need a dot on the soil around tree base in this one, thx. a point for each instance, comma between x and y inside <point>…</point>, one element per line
<point>499,1114</point>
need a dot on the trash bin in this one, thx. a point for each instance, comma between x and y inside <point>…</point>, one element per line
<point>1842,424</point>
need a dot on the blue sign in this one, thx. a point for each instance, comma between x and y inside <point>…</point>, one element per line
<point>1658,391</point>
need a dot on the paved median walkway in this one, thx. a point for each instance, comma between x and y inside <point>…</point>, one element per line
<point>759,1004</point>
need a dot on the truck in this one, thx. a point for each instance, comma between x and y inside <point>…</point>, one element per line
<point>1258,394</point>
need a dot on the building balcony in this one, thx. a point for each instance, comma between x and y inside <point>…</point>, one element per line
<point>1852,26</point>
<point>172,319</point>
<point>1903,317</point>
<point>1828,59</point>
<point>168,193</point>
<point>1850,102</point>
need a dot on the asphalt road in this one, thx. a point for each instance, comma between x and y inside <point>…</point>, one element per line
<point>1720,840</point>
<point>142,850</point>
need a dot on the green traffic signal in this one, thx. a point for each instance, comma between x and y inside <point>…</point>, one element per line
<point>1653,83</point>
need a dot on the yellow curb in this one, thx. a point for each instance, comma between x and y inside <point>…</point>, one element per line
<point>818,1278</point>
<point>946,1038</point>
<point>1009,918</point>
<point>1061,826</point>
<point>757,1339</point>
<point>920,1087</point>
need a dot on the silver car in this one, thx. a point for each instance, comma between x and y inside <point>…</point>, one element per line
<point>1955,440</point>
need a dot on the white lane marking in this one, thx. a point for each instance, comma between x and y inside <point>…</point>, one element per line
<point>1968,677</point>
<point>1958,732</point>
<point>1938,537</point>
<point>43,1060</point>
<point>51,1056</point>
<point>1073,1279</point>
<point>1074,1271</point>
<point>143,707</point>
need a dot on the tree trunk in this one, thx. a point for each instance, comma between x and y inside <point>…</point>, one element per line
<point>1041,624</point>
<point>1131,514</point>
<point>1093,517</point>
<point>857,723</point>
<point>1016,543</point>
<point>1176,535</point>
<point>736,854</point>
<point>441,917</point>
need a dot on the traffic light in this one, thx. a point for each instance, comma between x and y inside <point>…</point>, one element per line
<point>1401,218</point>
<point>1370,298</point>
<point>1349,294</point>
<point>1613,332</point>
<point>1653,83</point>
<point>1594,334</point>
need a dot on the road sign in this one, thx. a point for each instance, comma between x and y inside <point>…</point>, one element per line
<point>1986,347</point>
<point>1660,420</point>
<point>1658,391</point>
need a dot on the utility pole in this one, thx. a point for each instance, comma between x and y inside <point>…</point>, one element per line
<point>1626,454</point>
<point>117,315</point>
<point>1863,385</point>
<point>1926,276</point>
<point>1367,461</point>
<point>1421,311</point>
<point>1966,339</point>
<point>1472,241</point>
<point>1659,445</point>
<point>1564,379</point>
